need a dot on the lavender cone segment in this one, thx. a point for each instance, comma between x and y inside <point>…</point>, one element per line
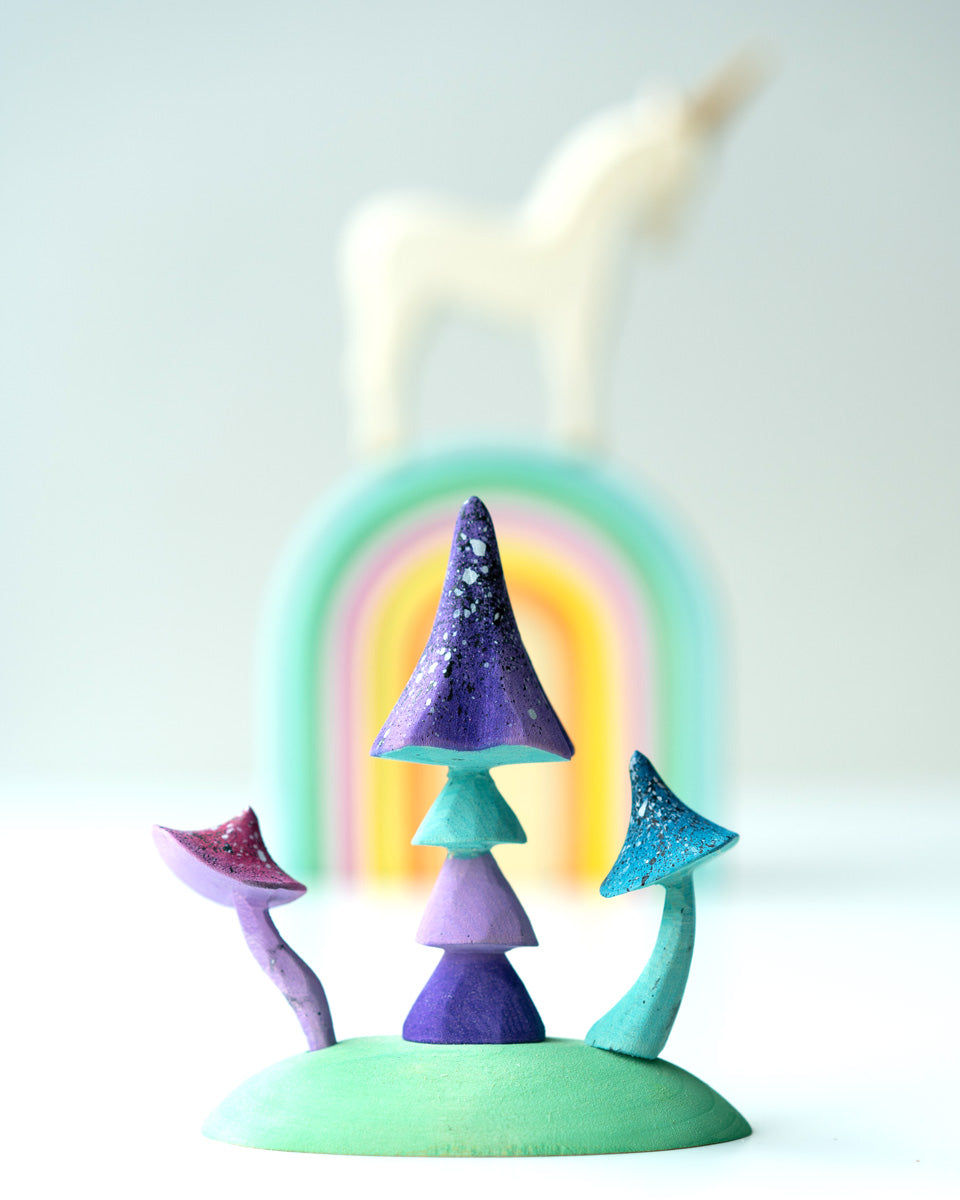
<point>474,998</point>
<point>472,905</point>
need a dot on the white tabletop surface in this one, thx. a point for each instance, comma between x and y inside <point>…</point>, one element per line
<point>822,1003</point>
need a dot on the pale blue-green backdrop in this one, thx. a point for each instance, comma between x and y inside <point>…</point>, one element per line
<point>173,178</point>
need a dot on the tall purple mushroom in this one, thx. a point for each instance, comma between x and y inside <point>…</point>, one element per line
<point>230,865</point>
<point>665,843</point>
<point>472,703</point>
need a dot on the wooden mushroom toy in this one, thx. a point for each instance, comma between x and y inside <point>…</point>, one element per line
<point>231,865</point>
<point>666,841</point>
<point>473,702</point>
<point>472,1072</point>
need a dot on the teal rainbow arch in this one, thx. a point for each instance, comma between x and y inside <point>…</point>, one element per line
<point>303,620</point>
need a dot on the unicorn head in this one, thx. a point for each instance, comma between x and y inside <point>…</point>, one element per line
<point>631,169</point>
<point>672,136</point>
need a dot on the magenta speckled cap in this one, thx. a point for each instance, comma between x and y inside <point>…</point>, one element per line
<point>227,862</point>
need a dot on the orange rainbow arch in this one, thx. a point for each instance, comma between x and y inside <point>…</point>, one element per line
<point>616,620</point>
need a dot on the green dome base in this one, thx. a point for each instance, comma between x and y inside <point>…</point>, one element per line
<point>385,1096</point>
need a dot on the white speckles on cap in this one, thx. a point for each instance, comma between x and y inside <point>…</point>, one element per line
<point>479,691</point>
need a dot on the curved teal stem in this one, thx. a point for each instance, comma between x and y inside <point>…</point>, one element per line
<point>640,1023</point>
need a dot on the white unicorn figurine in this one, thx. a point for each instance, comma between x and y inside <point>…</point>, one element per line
<point>554,264</point>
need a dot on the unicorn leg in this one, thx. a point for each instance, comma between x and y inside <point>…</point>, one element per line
<point>383,349</point>
<point>571,349</point>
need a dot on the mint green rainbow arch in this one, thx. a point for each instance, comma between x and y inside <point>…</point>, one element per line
<point>296,647</point>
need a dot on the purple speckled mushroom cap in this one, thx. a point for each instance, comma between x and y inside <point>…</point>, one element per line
<point>227,862</point>
<point>474,697</point>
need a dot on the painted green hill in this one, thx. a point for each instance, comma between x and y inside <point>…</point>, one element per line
<point>382,1095</point>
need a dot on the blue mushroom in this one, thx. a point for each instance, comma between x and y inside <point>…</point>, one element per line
<point>666,841</point>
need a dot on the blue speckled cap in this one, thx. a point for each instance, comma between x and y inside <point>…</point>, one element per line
<point>664,836</point>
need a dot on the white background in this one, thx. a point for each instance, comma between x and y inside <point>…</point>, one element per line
<point>821,1003</point>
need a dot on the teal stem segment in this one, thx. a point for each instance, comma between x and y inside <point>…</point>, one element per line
<point>470,816</point>
<point>300,987</point>
<point>640,1023</point>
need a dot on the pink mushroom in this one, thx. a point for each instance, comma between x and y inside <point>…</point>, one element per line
<point>231,865</point>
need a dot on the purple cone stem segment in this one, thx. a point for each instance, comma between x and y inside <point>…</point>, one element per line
<point>231,866</point>
<point>473,997</point>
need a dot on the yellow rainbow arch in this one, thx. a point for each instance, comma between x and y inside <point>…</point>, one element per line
<point>570,627</point>
<point>616,616</point>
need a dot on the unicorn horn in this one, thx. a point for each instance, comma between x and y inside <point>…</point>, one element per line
<point>712,105</point>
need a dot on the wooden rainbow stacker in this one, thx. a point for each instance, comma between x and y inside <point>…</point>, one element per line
<point>474,1073</point>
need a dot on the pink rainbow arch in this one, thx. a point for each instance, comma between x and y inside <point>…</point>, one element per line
<point>616,616</point>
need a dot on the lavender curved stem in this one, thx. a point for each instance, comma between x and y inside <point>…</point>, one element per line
<point>301,988</point>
